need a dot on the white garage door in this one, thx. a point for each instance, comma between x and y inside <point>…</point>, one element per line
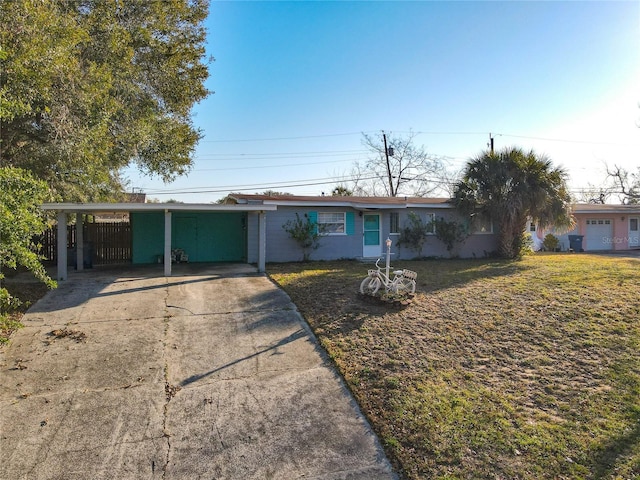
<point>599,234</point>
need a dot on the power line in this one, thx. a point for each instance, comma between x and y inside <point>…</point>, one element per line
<point>282,138</point>
<point>291,183</point>
<point>259,155</point>
<point>588,142</point>
<point>419,132</point>
<point>265,166</point>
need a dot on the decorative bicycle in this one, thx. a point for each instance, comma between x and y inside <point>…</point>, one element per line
<point>403,281</point>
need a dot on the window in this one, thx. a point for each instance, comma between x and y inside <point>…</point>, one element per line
<point>482,223</point>
<point>532,227</point>
<point>430,218</point>
<point>332,223</point>
<point>394,223</point>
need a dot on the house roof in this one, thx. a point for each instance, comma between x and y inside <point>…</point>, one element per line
<point>604,208</point>
<point>152,207</point>
<point>358,203</point>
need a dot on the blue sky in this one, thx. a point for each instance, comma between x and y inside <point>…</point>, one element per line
<point>296,84</point>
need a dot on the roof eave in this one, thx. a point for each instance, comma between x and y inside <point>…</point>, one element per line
<point>152,207</point>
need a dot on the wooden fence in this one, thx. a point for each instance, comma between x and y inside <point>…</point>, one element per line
<point>107,243</point>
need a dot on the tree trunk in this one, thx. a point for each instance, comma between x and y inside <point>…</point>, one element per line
<point>505,241</point>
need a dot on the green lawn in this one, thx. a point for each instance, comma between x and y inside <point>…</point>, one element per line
<point>497,370</point>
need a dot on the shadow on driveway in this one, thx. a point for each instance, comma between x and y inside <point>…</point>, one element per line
<point>199,375</point>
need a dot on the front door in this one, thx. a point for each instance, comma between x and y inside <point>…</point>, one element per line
<point>372,241</point>
<point>634,232</point>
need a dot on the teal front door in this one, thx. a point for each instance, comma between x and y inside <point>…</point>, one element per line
<point>372,242</point>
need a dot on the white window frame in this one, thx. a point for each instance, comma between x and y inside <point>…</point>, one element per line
<point>429,219</point>
<point>598,221</point>
<point>485,221</point>
<point>323,230</point>
<point>395,215</point>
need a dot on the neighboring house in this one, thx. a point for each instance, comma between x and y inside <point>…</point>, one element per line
<point>357,227</point>
<point>603,227</point>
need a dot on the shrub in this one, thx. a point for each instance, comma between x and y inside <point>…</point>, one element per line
<point>450,232</point>
<point>306,234</point>
<point>550,242</point>
<point>415,233</point>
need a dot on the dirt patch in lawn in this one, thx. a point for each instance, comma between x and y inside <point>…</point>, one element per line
<point>524,369</point>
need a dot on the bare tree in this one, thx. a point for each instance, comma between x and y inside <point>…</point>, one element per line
<point>396,166</point>
<point>594,194</point>
<point>624,183</point>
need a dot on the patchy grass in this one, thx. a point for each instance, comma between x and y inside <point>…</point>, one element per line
<point>28,294</point>
<point>498,369</point>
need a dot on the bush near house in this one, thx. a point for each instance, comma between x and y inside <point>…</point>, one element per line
<point>414,233</point>
<point>498,369</point>
<point>550,242</point>
<point>305,232</point>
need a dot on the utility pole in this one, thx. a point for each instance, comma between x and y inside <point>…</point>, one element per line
<point>491,143</point>
<point>386,156</point>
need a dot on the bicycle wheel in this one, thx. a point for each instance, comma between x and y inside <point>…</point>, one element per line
<point>406,285</point>
<point>370,285</point>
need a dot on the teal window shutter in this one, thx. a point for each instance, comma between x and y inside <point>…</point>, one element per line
<point>313,218</point>
<point>351,223</point>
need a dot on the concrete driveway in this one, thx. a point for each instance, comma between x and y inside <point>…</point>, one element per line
<point>210,373</point>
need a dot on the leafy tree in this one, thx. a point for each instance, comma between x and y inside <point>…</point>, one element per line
<point>341,191</point>
<point>511,186</point>
<point>274,193</point>
<point>306,234</point>
<point>20,220</point>
<point>410,170</point>
<point>88,87</point>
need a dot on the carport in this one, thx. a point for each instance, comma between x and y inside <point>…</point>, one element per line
<point>167,210</point>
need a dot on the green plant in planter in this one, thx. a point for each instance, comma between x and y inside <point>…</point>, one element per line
<point>550,242</point>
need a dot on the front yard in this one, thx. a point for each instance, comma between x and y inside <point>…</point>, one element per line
<point>497,370</point>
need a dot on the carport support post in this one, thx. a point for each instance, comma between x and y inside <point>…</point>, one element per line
<point>79,242</point>
<point>167,243</point>
<point>62,246</point>
<point>262,241</point>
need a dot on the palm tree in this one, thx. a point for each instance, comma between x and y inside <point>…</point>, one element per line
<point>511,186</point>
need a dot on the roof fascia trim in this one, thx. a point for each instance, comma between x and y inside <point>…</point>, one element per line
<point>153,207</point>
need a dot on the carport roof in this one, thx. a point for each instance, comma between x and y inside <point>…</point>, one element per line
<point>153,207</point>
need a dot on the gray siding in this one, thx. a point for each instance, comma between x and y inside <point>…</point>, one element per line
<point>475,245</point>
<point>281,248</point>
